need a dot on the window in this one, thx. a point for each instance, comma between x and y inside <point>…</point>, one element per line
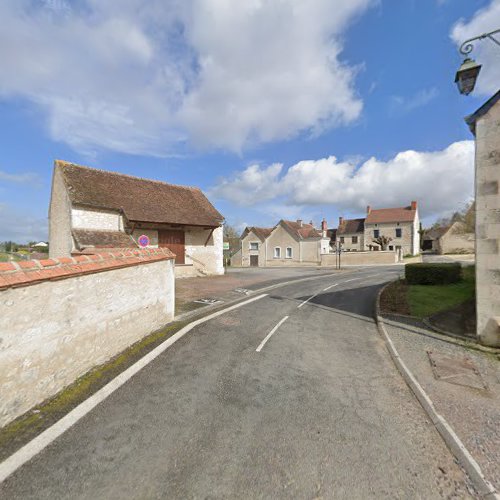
<point>277,253</point>
<point>341,239</point>
<point>288,254</point>
<point>399,232</point>
<point>376,233</point>
<point>391,247</point>
<point>254,245</point>
<point>354,239</point>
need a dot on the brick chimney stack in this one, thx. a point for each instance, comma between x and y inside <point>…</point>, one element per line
<point>368,209</point>
<point>413,205</point>
<point>324,227</point>
<point>341,220</point>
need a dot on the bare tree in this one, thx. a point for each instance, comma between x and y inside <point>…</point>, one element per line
<point>383,241</point>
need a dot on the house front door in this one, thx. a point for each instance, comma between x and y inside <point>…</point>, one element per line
<point>173,240</point>
<point>254,260</point>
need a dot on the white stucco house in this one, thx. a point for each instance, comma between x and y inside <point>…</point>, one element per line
<point>93,209</point>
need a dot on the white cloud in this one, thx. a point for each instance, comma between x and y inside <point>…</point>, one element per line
<point>485,51</point>
<point>23,178</point>
<point>21,227</point>
<point>406,104</point>
<point>145,77</point>
<point>439,180</point>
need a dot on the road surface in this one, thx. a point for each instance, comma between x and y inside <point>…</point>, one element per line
<point>290,396</point>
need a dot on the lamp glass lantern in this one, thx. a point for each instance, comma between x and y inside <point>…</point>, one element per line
<point>467,75</point>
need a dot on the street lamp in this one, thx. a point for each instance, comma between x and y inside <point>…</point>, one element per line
<point>469,70</point>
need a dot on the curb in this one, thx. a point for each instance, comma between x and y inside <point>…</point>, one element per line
<point>466,460</point>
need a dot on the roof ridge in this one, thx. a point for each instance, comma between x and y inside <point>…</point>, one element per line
<point>64,163</point>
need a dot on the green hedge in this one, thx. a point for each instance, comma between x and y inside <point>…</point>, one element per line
<point>435,273</point>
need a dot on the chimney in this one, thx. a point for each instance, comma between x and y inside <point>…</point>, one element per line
<point>368,209</point>
<point>341,220</point>
<point>299,222</point>
<point>311,223</point>
<point>413,205</point>
<point>324,227</point>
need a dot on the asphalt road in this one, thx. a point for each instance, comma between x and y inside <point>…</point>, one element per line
<point>318,412</point>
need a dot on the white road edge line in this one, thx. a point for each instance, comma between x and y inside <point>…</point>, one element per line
<point>306,301</point>
<point>328,287</point>
<point>268,336</point>
<point>29,450</point>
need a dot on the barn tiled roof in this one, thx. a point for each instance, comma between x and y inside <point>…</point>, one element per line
<point>141,200</point>
<point>301,230</point>
<point>400,214</point>
<point>85,238</point>
<point>351,226</point>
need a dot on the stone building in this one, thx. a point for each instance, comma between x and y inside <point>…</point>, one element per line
<point>485,125</point>
<point>400,224</point>
<point>351,234</point>
<point>451,239</point>
<point>91,209</point>
<point>289,243</point>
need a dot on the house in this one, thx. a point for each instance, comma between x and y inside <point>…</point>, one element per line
<point>94,209</point>
<point>450,239</point>
<point>253,240</point>
<point>351,234</point>
<point>400,224</point>
<point>289,243</point>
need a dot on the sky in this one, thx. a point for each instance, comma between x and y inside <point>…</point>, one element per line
<point>276,109</point>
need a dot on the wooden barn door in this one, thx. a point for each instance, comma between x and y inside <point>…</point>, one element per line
<point>173,240</point>
<point>254,260</point>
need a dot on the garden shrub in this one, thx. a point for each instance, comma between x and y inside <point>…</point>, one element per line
<point>435,273</point>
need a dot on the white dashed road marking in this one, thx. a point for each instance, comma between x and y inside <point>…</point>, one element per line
<point>268,336</point>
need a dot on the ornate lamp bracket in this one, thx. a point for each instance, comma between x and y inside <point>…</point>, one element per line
<point>467,47</point>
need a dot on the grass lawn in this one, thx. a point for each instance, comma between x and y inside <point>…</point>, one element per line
<point>425,300</point>
<point>5,257</point>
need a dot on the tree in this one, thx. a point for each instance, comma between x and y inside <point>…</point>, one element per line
<point>383,241</point>
<point>232,237</point>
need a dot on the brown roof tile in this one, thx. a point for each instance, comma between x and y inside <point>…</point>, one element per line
<point>85,238</point>
<point>302,231</point>
<point>400,214</point>
<point>141,200</point>
<point>351,226</point>
<point>261,232</point>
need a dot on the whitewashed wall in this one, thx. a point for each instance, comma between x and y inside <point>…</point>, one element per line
<point>84,218</point>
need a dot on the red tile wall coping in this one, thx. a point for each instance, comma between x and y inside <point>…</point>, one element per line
<point>31,272</point>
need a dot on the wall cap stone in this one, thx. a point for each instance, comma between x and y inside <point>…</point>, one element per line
<point>31,272</point>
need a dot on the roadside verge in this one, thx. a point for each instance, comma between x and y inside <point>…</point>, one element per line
<point>456,446</point>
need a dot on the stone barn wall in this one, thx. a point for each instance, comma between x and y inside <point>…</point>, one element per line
<point>60,318</point>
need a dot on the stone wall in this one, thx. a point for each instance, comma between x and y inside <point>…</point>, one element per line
<point>360,258</point>
<point>60,318</point>
<point>455,241</point>
<point>488,226</point>
<point>60,238</point>
<point>206,256</point>
<point>409,240</point>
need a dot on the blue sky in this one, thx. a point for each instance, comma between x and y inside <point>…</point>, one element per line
<point>297,109</point>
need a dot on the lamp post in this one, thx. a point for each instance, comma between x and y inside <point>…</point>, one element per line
<point>469,70</point>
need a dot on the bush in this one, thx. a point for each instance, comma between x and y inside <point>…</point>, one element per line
<point>433,273</point>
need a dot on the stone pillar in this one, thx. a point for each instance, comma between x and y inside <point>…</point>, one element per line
<point>487,131</point>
